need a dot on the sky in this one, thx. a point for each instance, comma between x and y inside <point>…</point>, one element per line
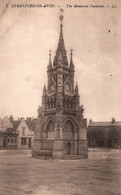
<point>27,35</point>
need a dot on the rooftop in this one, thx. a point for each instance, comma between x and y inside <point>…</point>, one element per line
<point>105,123</point>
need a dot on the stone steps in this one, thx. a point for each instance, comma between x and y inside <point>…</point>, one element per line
<point>73,157</point>
<point>44,157</point>
<point>16,152</point>
<point>43,154</point>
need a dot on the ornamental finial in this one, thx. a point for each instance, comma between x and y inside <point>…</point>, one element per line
<point>71,51</point>
<point>50,52</point>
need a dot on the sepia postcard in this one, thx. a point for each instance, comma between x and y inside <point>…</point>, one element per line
<point>60,105</point>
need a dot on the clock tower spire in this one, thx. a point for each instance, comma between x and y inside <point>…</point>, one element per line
<point>61,128</point>
<point>61,52</point>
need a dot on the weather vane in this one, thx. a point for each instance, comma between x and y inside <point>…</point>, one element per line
<point>61,15</point>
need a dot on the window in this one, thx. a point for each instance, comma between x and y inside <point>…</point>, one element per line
<point>23,141</point>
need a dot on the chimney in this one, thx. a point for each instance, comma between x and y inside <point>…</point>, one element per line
<point>11,118</point>
<point>29,119</point>
<point>90,121</point>
<point>113,120</point>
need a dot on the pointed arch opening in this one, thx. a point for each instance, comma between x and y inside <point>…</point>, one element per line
<point>68,148</point>
<point>50,129</point>
<point>68,130</point>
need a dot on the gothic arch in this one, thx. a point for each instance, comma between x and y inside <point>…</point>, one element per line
<point>47,122</point>
<point>50,126</point>
<point>68,126</point>
<point>68,130</point>
<point>50,130</point>
<point>75,126</point>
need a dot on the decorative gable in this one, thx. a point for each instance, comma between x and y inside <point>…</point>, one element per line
<point>23,129</point>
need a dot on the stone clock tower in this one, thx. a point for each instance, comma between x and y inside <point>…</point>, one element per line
<point>61,131</point>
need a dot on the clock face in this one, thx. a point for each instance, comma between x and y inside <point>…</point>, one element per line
<point>53,87</point>
<point>67,87</point>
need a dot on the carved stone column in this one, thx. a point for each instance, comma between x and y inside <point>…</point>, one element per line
<point>58,142</point>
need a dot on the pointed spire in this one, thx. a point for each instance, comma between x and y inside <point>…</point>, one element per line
<point>71,59</point>
<point>44,90</point>
<point>76,89</point>
<point>61,45</point>
<point>50,63</point>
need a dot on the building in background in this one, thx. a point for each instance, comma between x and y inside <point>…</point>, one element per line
<point>104,134</point>
<point>17,134</point>
<point>61,128</point>
<point>25,135</point>
<point>10,138</point>
<point>5,123</point>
